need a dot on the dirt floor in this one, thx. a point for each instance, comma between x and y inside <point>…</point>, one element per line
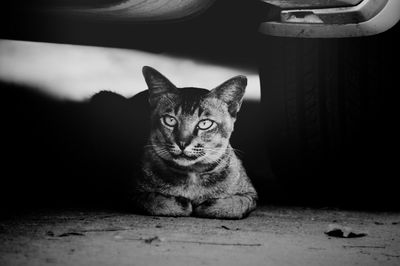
<point>269,236</point>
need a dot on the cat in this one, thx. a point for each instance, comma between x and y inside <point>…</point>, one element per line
<point>188,165</point>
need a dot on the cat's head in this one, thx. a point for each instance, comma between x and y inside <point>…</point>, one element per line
<point>192,125</point>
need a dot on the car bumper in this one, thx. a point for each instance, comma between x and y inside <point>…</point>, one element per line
<point>369,17</point>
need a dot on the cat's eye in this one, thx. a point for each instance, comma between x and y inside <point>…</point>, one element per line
<point>205,124</point>
<point>169,121</point>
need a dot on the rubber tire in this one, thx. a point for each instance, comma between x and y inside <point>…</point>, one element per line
<point>328,122</point>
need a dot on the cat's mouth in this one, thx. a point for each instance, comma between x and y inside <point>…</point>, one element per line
<point>182,155</point>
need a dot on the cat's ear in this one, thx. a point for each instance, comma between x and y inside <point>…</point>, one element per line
<point>158,84</point>
<point>231,92</point>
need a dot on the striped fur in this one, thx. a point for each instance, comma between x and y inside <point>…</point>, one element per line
<point>189,166</point>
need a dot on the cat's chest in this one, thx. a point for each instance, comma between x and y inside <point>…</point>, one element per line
<point>193,179</point>
<point>192,187</point>
<point>197,187</point>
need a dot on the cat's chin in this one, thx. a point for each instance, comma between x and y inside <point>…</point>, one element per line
<point>184,162</point>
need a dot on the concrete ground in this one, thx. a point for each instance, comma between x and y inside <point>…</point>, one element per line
<point>269,236</point>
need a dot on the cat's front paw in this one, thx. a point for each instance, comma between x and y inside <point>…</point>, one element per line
<point>235,207</point>
<point>185,206</point>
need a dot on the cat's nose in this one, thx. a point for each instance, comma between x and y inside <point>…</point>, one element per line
<point>182,145</point>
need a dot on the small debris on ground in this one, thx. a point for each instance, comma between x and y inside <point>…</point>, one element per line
<point>227,228</point>
<point>362,246</point>
<point>336,230</point>
<point>378,223</point>
<point>70,234</point>
<point>391,255</point>
<point>49,233</point>
<point>150,240</point>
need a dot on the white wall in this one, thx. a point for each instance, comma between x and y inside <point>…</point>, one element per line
<point>77,72</point>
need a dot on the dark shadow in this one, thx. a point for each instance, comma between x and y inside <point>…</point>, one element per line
<point>85,154</point>
<point>330,113</point>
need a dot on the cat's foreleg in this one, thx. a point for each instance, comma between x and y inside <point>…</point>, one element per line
<point>162,205</point>
<point>233,207</point>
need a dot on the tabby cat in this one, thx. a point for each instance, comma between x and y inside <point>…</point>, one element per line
<point>189,166</point>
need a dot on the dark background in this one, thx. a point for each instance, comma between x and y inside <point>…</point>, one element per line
<point>326,123</point>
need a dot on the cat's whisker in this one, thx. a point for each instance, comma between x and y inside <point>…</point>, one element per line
<point>239,152</point>
<point>150,145</point>
<point>160,150</point>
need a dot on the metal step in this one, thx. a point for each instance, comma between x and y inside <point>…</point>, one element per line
<point>295,4</point>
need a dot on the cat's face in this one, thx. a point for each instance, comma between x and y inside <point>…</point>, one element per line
<point>192,125</point>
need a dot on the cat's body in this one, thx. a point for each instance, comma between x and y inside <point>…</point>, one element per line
<point>189,166</point>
